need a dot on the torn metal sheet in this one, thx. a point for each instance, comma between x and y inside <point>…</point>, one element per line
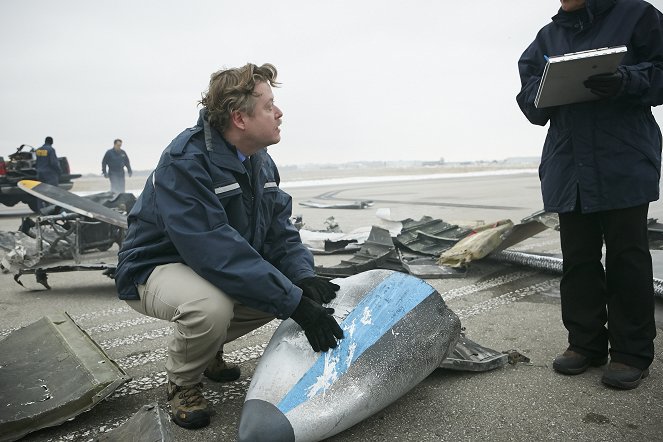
<point>470,356</point>
<point>18,250</point>
<point>548,219</point>
<point>149,424</point>
<point>83,206</point>
<point>428,268</point>
<point>521,232</point>
<point>477,245</point>
<point>553,264</point>
<point>325,242</point>
<point>430,236</point>
<point>41,273</point>
<point>51,371</point>
<point>351,205</point>
<point>374,252</point>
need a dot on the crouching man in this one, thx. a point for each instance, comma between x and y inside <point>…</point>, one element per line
<point>210,246</point>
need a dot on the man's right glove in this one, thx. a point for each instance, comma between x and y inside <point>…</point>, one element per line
<point>318,289</point>
<point>319,325</point>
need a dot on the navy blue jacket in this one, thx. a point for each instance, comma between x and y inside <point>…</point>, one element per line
<point>606,151</point>
<point>199,208</point>
<point>47,165</point>
<point>115,161</point>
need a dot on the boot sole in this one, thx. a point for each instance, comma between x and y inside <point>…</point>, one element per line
<point>624,385</point>
<point>579,370</point>
<point>198,421</point>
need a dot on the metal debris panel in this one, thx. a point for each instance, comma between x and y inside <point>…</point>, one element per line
<point>51,371</point>
<point>149,424</point>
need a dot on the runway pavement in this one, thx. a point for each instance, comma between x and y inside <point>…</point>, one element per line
<point>500,306</point>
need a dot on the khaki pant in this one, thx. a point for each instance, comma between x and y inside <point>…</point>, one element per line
<point>205,318</point>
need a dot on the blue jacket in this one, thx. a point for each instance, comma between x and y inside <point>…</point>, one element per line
<point>199,208</point>
<point>47,165</point>
<point>606,151</point>
<point>115,162</point>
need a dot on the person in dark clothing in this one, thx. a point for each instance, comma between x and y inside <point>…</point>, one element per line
<point>113,164</point>
<point>210,245</point>
<point>600,169</point>
<point>47,163</point>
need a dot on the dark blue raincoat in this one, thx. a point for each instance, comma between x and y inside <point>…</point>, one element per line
<point>608,151</point>
<point>200,208</point>
<point>47,165</point>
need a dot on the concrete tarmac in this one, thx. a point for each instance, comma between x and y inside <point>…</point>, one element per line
<point>500,306</point>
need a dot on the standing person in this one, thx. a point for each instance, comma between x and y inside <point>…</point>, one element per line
<point>210,245</point>
<point>116,160</point>
<point>600,169</point>
<point>47,163</point>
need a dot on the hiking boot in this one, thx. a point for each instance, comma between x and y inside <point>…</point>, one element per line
<point>571,362</point>
<point>188,406</point>
<point>623,376</point>
<point>221,371</point>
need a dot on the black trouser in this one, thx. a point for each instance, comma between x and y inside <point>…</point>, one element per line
<point>625,288</point>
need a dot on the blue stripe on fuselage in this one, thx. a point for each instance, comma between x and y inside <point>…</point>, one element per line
<point>376,314</point>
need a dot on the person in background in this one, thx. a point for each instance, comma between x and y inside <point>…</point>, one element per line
<point>47,163</point>
<point>210,246</point>
<point>113,164</point>
<point>600,169</point>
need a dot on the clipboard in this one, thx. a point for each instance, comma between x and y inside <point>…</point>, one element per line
<point>564,74</point>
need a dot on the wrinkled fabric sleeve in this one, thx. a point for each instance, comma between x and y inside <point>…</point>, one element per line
<point>127,163</point>
<point>55,163</point>
<point>104,163</point>
<point>196,223</point>
<point>530,68</point>
<point>643,82</point>
<point>284,246</point>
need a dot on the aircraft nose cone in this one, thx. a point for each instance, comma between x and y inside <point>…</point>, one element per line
<point>262,421</point>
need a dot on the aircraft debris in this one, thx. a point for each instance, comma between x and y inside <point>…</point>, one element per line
<point>363,204</point>
<point>476,245</point>
<point>397,331</point>
<point>430,236</point>
<point>51,371</point>
<point>149,424</point>
<point>373,252</point>
<point>467,355</point>
<point>41,273</point>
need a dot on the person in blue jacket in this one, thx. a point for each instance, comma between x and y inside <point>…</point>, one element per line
<point>210,245</point>
<point>47,163</point>
<point>600,169</point>
<point>113,164</point>
<point>48,166</point>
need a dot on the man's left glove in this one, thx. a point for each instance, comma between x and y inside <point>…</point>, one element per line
<point>318,289</point>
<point>605,85</point>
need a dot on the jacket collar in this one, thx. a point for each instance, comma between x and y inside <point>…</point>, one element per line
<point>222,153</point>
<point>587,15</point>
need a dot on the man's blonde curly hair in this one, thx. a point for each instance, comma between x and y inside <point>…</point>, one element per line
<point>232,90</point>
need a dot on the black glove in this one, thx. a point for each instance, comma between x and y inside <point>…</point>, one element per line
<point>318,289</point>
<point>319,325</point>
<point>605,85</point>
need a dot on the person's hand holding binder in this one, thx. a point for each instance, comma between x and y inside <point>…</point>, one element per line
<point>605,85</point>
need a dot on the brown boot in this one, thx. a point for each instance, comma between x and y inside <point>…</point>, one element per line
<point>219,370</point>
<point>188,406</point>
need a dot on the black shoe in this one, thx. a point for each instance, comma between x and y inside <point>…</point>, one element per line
<point>571,362</point>
<point>221,371</point>
<point>623,376</point>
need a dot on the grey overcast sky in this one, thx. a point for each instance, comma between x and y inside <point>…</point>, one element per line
<point>361,80</point>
